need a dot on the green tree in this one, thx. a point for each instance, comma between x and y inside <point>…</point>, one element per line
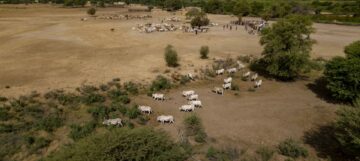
<point>287,45</point>
<point>199,21</point>
<point>343,77</point>
<point>123,145</point>
<point>171,57</point>
<point>347,132</point>
<point>256,8</point>
<point>353,50</point>
<point>172,5</point>
<point>242,7</point>
<point>204,52</point>
<point>91,11</point>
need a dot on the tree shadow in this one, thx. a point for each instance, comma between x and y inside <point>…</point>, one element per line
<point>322,139</point>
<point>319,88</point>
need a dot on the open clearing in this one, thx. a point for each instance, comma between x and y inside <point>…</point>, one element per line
<point>46,47</point>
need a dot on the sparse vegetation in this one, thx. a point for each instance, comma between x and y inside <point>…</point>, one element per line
<point>160,83</point>
<point>204,52</point>
<point>194,127</point>
<point>171,57</point>
<point>291,148</point>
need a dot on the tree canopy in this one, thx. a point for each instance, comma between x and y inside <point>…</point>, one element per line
<point>287,45</point>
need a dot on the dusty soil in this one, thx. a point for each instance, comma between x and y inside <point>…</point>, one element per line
<point>45,47</point>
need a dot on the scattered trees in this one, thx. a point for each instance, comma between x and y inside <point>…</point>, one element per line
<point>171,56</point>
<point>287,45</point>
<point>204,52</point>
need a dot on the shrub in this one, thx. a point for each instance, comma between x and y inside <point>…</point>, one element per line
<point>39,143</point>
<point>343,77</point>
<point>77,131</point>
<point>3,99</point>
<point>192,125</point>
<point>115,93</point>
<point>4,114</point>
<point>353,50</point>
<point>87,89</point>
<point>291,148</point>
<point>235,87</point>
<point>204,51</point>
<point>210,73</point>
<point>160,83</point>
<point>133,112</point>
<point>99,112</point>
<point>171,57</point>
<point>104,87</point>
<point>265,153</point>
<point>200,20</point>
<point>131,87</point>
<point>50,123</point>
<point>184,79</point>
<point>211,153</point>
<point>347,128</point>
<point>200,136</point>
<point>91,11</point>
<point>93,98</point>
<point>144,144</point>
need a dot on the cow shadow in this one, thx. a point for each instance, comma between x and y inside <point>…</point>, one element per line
<point>323,140</point>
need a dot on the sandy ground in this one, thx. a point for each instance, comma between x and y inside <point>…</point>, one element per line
<point>47,47</point>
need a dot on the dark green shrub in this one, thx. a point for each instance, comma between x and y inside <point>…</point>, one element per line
<point>4,114</point>
<point>91,11</point>
<point>131,87</point>
<point>160,83</point>
<point>192,125</point>
<point>143,119</point>
<point>115,93</point>
<point>144,144</point>
<point>171,57</point>
<point>99,112</point>
<point>200,136</point>
<point>291,148</point>
<point>77,131</point>
<point>353,50</point>
<point>204,52</point>
<point>235,87</point>
<point>39,143</point>
<point>7,128</point>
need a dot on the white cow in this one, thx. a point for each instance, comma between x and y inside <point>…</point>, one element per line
<point>193,97</point>
<point>145,109</point>
<point>220,71</point>
<point>116,121</point>
<point>195,103</point>
<point>258,83</point>
<point>218,90</point>
<point>227,86</point>
<point>240,65</point>
<point>190,76</point>
<point>187,108</point>
<point>254,77</point>
<point>228,80</point>
<point>157,96</point>
<point>231,70</point>
<point>247,74</point>
<point>188,93</point>
<point>165,118</point>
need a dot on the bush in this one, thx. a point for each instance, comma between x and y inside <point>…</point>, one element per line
<point>91,11</point>
<point>265,153</point>
<point>99,112</point>
<point>184,79</point>
<point>199,20</point>
<point>77,131</point>
<point>93,98</point>
<point>50,123</point>
<point>171,56</point>
<point>104,87</point>
<point>200,136</point>
<point>194,127</point>
<point>235,87</point>
<point>160,83</point>
<point>39,143</point>
<point>3,99</point>
<point>133,112</point>
<point>131,88</point>
<point>144,144</point>
<point>204,51</point>
<point>291,148</point>
<point>353,50</point>
<point>347,128</point>
<point>343,77</point>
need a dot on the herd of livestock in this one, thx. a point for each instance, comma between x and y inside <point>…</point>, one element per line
<point>192,97</point>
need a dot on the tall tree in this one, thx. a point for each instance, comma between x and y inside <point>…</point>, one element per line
<point>287,45</point>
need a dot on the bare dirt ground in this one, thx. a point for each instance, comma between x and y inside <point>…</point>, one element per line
<point>46,47</point>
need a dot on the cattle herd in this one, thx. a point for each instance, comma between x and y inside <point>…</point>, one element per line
<point>192,97</point>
